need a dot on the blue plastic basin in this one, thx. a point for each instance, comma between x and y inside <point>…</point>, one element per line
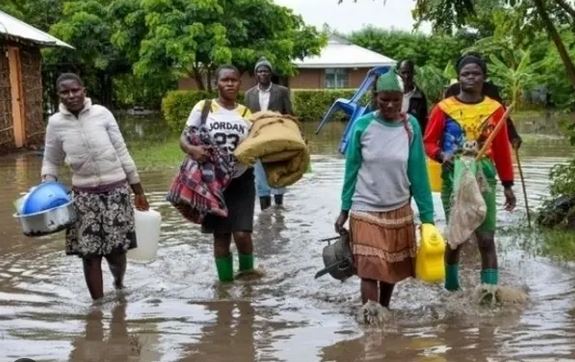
<point>45,196</point>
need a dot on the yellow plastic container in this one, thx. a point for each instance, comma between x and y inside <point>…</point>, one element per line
<point>434,172</point>
<point>429,264</point>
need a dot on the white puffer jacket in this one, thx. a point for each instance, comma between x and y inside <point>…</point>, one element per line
<point>91,145</point>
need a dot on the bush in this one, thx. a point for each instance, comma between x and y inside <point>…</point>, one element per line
<point>176,106</point>
<point>563,176</point>
<point>309,105</point>
<point>558,208</point>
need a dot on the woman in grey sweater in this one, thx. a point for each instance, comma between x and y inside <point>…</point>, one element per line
<point>86,137</point>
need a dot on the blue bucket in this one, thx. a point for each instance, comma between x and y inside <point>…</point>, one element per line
<point>45,196</point>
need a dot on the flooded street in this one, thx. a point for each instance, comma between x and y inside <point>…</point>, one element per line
<point>174,309</point>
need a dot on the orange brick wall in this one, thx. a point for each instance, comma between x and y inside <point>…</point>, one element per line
<point>307,79</point>
<point>355,77</point>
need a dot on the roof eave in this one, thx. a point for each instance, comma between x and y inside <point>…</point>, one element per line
<point>28,41</point>
<point>343,65</point>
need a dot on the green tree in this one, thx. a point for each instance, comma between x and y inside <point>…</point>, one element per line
<point>514,80</point>
<point>552,71</point>
<point>39,13</point>
<point>434,50</point>
<point>87,26</point>
<point>551,15</point>
<point>190,38</point>
<point>525,58</point>
<point>147,45</point>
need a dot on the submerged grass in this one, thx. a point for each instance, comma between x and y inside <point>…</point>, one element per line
<point>558,244</point>
<point>157,154</point>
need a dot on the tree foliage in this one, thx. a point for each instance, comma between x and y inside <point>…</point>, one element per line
<point>434,50</point>
<point>86,25</point>
<point>152,43</point>
<point>521,58</point>
<point>39,13</point>
<point>516,79</point>
<point>532,15</point>
<point>191,38</point>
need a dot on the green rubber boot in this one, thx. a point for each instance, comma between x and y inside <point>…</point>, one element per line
<point>246,262</point>
<point>489,276</point>
<point>452,277</point>
<point>489,280</point>
<point>225,266</point>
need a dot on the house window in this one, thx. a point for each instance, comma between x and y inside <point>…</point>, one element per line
<point>336,78</point>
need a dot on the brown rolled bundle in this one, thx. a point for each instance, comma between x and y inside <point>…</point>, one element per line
<point>277,141</point>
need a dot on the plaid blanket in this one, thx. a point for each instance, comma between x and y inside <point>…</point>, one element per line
<point>198,188</point>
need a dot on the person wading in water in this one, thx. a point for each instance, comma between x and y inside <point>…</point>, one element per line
<point>88,138</point>
<point>267,96</point>
<point>227,126</point>
<point>385,167</point>
<point>470,116</point>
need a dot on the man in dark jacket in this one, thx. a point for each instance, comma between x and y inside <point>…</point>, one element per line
<point>414,101</point>
<point>266,96</point>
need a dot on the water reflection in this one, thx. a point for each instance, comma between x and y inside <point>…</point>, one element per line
<point>176,311</point>
<point>269,234</point>
<point>106,343</point>
<point>151,128</point>
<point>227,337</point>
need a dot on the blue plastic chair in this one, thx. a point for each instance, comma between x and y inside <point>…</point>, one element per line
<point>351,106</point>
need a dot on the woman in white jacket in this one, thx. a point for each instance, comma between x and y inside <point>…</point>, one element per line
<point>86,137</point>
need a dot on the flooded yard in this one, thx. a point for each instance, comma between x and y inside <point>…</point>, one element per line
<point>175,310</point>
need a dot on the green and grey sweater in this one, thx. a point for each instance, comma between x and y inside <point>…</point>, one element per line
<point>384,166</point>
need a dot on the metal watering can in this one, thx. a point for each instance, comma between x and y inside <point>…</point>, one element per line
<point>337,258</point>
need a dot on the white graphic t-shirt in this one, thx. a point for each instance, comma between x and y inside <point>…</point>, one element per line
<point>227,128</point>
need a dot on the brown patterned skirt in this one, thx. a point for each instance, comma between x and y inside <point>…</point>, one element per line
<point>384,244</point>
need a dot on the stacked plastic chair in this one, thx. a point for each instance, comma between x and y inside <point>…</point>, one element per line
<point>352,107</point>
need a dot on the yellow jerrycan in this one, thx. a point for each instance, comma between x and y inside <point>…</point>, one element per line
<point>429,263</point>
<point>434,174</point>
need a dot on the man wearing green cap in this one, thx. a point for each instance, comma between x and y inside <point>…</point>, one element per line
<point>266,96</point>
<point>385,166</point>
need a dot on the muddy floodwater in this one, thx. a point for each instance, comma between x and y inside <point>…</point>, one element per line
<point>174,310</point>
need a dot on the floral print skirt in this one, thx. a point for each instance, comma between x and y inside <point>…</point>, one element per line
<point>105,222</point>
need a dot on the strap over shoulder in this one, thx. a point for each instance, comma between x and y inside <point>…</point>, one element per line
<point>205,111</point>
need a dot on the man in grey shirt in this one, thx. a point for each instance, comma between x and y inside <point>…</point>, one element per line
<point>267,96</point>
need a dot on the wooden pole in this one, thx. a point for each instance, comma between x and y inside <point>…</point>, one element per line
<point>524,189</point>
<point>494,133</point>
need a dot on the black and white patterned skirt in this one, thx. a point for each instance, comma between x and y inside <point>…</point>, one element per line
<point>105,222</point>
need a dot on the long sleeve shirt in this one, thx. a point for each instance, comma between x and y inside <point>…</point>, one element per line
<point>475,121</point>
<point>91,144</point>
<point>385,165</point>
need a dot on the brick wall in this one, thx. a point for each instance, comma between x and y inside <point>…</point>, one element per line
<point>356,76</point>
<point>308,79</point>
<point>305,79</point>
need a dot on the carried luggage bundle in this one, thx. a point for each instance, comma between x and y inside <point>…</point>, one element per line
<point>277,141</point>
